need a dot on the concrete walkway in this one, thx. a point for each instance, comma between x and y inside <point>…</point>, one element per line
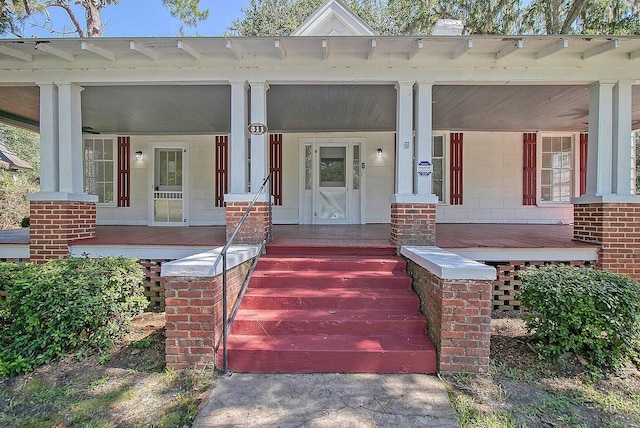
<point>327,400</point>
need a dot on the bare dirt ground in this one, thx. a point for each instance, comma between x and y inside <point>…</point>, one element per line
<point>522,390</point>
<point>130,389</point>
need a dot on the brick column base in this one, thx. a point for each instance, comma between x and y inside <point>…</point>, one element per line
<point>616,227</point>
<point>193,308</point>
<point>413,224</point>
<point>458,319</point>
<point>255,226</point>
<point>55,223</point>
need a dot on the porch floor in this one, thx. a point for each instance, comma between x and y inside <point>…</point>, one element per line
<point>448,235</point>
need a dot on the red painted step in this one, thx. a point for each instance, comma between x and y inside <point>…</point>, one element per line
<point>288,250</point>
<point>330,313</point>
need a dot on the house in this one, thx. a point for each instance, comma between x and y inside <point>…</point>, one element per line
<point>423,133</point>
<point>10,161</point>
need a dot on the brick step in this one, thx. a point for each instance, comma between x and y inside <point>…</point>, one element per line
<point>318,321</point>
<point>302,251</point>
<point>329,279</point>
<point>331,354</point>
<point>329,298</point>
<point>339,263</point>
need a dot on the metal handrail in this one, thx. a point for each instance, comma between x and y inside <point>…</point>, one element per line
<point>226,320</point>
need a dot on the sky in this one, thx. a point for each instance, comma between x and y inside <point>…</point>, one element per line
<point>145,18</point>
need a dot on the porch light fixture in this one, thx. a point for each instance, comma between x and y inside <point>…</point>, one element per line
<point>379,153</point>
<point>139,154</point>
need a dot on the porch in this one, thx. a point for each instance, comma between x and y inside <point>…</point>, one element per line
<point>484,242</point>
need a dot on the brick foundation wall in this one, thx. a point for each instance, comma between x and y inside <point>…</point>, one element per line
<point>616,227</point>
<point>255,226</point>
<point>413,224</point>
<point>55,223</point>
<point>508,283</point>
<point>194,316</point>
<point>458,319</point>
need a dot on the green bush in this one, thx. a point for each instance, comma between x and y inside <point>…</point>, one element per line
<point>78,304</point>
<point>592,313</point>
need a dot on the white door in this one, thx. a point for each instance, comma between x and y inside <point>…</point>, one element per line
<point>170,178</point>
<point>336,183</point>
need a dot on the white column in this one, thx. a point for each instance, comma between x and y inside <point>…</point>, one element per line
<point>404,138</point>
<point>258,142</point>
<point>424,134</point>
<point>238,159</point>
<point>600,153</point>
<point>49,178</point>
<point>70,139</point>
<point>622,139</point>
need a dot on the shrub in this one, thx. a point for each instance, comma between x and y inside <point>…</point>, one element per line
<point>592,313</point>
<point>78,304</point>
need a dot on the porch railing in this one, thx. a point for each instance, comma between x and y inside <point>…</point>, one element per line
<point>226,319</point>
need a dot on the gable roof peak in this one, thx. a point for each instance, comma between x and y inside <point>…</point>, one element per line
<point>334,18</point>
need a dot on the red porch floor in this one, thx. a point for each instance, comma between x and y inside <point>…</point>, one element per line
<point>468,235</point>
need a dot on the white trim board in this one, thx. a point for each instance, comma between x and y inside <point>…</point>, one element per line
<point>527,254</point>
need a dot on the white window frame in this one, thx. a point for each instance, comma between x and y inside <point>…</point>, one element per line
<point>445,165</point>
<point>114,140</point>
<point>575,166</point>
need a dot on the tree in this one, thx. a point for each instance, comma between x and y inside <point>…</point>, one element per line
<point>483,16</point>
<point>582,17</point>
<point>14,12</point>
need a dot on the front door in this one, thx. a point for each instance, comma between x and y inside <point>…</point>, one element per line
<point>169,187</point>
<point>332,180</point>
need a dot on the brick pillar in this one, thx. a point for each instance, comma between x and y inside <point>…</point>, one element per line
<point>458,315</point>
<point>616,227</point>
<point>193,308</point>
<point>413,224</point>
<point>55,223</point>
<point>256,225</point>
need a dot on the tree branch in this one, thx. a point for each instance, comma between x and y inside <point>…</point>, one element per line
<point>72,16</point>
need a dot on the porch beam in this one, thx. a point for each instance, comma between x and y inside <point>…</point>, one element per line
<point>189,49</point>
<point>417,47</point>
<point>372,48</point>
<point>281,50</point>
<point>70,138</point>
<point>513,47</point>
<point>600,49</point>
<point>552,48</point>
<point>4,50</point>
<point>462,49</point>
<point>423,135</point>
<point>237,52</point>
<point>45,47</point>
<point>101,52</point>
<point>137,47</point>
<point>49,143</point>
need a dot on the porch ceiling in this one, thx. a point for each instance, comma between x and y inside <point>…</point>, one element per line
<point>205,109</point>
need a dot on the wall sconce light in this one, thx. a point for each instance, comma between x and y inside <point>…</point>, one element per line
<point>139,154</point>
<point>379,153</point>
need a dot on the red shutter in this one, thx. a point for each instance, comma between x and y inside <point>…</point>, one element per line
<point>529,169</point>
<point>455,166</point>
<point>124,171</point>
<point>275,167</point>
<point>222,153</point>
<point>584,146</point>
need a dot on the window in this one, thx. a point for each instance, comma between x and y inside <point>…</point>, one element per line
<point>99,169</point>
<point>437,159</point>
<point>556,169</point>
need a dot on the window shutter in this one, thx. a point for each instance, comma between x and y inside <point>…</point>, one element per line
<point>222,153</point>
<point>275,167</point>
<point>584,147</point>
<point>124,171</point>
<point>529,169</point>
<point>455,166</point>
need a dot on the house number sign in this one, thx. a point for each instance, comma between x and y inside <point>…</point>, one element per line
<point>258,129</point>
